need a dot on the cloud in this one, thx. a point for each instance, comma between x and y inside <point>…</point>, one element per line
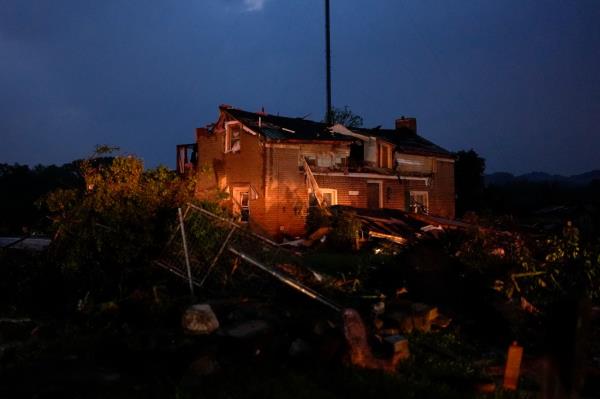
<point>254,5</point>
<point>245,5</point>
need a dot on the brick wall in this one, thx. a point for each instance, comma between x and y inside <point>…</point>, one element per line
<point>219,170</point>
<point>287,196</point>
<point>282,204</point>
<point>442,198</point>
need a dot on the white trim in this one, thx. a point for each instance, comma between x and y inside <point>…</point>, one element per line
<point>424,179</point>
<point>246,128</point>
<point>445,160</point>
<point>333,193</point>
<point>228,126</point>
<point>343,130</point>
<point>288,146</point>
<point>373,176</point>
<point>363,175</point>
<point>425,195</point>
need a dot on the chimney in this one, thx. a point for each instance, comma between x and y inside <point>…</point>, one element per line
<point>407,123</point>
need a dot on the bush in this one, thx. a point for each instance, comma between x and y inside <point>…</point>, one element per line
<point>107,232</point>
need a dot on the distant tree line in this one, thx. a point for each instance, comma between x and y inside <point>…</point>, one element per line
<point>22,187</point>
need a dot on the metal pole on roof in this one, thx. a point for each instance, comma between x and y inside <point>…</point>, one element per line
<point>328,63</point>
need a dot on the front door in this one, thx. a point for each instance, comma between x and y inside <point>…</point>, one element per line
<point>373,200</point>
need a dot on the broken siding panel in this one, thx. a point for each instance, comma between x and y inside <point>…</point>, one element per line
<point>324,155</point>
<point>408,163</point>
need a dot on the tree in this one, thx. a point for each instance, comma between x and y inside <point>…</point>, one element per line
<point>468,174</point>
<point>346,117</point>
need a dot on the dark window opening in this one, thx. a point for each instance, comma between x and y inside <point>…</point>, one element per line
<point>244,206</point>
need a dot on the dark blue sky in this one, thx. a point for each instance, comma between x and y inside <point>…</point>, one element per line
<point>518,81</point>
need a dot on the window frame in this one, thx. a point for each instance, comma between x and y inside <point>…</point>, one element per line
<point>389,161</point>
<point>228,136</point>
<point>332,191</point>
<point>412,207</point>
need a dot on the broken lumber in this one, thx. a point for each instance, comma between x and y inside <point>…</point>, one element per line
<point>287,280</point>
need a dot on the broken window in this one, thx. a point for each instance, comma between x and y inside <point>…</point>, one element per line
<point>329,197</point>
<point>419,202</point>
<point>356,154</point>
<point>240,197</point>
<point>187,157</point>
<point>244,206</point>
<point>324,160</point>
<point>233,136</point>
<point>341,161</point>
<point>311,160</point>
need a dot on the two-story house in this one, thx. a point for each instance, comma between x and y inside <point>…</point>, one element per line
<point>273,168</point>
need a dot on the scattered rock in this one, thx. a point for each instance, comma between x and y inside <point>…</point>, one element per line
<point>418,317</point>
<point>200,320</point>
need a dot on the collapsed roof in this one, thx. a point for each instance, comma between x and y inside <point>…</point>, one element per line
<point>284,128</point>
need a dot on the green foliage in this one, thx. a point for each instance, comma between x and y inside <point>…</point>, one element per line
<point>345,228</point>
<point>573,265</point>
<point>343,222</point>
<point>317,218</point>
<point>539,270</point>
<point>107,232</point>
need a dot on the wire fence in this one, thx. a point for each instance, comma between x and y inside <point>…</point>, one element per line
<point>216,255</point>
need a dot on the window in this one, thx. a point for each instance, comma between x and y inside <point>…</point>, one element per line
<point>244,206</point>
<point>241,202</point>
<point>329,197</point>
<point>341,161</point>
<point>324,160</point>
<point>233,136</point>
<point>419,202</point>
<point>385,156</point>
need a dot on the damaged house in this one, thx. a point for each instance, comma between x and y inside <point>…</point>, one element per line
<point>272,169</point>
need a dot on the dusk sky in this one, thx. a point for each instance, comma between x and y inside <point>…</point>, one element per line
<point>518,81</point>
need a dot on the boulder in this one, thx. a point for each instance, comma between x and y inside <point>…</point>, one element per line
<point>200,320</point>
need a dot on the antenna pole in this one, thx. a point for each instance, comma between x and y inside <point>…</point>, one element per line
<point>328,63</point>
